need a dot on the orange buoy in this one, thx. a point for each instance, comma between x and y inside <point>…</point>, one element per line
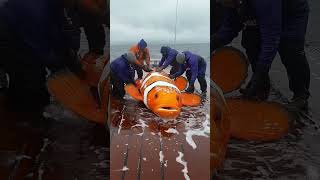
<point>220,128</point>
<point>262,121</point>
<point>229,68</point>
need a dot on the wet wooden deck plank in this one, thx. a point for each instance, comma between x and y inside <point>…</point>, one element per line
<point>118,154</point>
<point>150,167</point>
<point>143,158</point>
<point>172,144</point>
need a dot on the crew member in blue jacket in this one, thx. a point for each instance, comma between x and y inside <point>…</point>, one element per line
<point>122,72</point>
<point>32,38</point>
<point>268,27</point>
<point>195,67</point>
<point>168,58</point>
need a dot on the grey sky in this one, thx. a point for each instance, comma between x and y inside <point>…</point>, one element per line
<point>154,21</point>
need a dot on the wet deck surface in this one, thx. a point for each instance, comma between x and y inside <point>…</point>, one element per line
<point>65,147</point>
<point>143,146</point>
<point>69,148</point>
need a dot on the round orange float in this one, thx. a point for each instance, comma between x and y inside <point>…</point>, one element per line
<point>229,68</point>
<point>252,120</point>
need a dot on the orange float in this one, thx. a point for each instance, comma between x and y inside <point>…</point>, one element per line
<point>253,120</point>
<point>229,68</point>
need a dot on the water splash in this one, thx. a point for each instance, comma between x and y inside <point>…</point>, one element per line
<point>203,131</point>
<point>184,163</point>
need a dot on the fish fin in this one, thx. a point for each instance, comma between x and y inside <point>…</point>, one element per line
<point>190,99</point>
<point>75,95</point>
<point>257,121</point>
<point>134,92</point>
<point>181,83</point>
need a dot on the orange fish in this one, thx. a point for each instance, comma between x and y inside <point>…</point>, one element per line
<point>162,95</point>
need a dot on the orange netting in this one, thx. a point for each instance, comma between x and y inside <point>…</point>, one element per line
<point>263,121</point>
<point>228,68</point>
<point>75,94</point>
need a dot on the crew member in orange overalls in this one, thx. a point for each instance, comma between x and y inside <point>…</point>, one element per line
<point>141,52</point>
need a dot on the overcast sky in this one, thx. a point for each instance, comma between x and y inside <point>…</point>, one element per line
<point>154,21</point>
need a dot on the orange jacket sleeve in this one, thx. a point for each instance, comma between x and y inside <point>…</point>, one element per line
<point>134,49</point>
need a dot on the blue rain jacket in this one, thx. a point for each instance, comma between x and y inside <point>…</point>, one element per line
<point>195,64</point>
<point>168,56</point>
<point>122,69</point>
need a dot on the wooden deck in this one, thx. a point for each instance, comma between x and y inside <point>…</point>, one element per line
<point>19,146</point>
<point>143,147</point>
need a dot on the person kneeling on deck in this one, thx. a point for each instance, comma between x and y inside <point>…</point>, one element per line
<point>168,58</point>
<point>268,27</point>
<point>195,67</point>
<point>141,53</point>
<point>122,73</point>
<point>32,38</point>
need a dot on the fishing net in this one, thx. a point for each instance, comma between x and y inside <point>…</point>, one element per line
<point>229,68</point>
<point>262,121</point>
<point>75,94</point>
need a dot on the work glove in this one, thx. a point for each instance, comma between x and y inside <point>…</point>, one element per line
<point>259,85</point>
<point>190,89</point>
<point>159,69</point>
<point>172,76</point>
<point>146,68</point>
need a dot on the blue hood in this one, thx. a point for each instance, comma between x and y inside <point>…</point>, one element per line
<point>164,50</point>
<point>142,44</point>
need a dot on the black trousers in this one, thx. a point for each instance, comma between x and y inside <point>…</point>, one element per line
<point>201,79</point>
<point>27,90</point>
<point>93,29</point>
<point>292,55</point>
<point>117,86</point>
<point>139,71</point>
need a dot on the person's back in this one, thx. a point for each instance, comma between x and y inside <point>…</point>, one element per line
<point>37,24</point>
<point>120,67</point>
<point>168,56</point>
